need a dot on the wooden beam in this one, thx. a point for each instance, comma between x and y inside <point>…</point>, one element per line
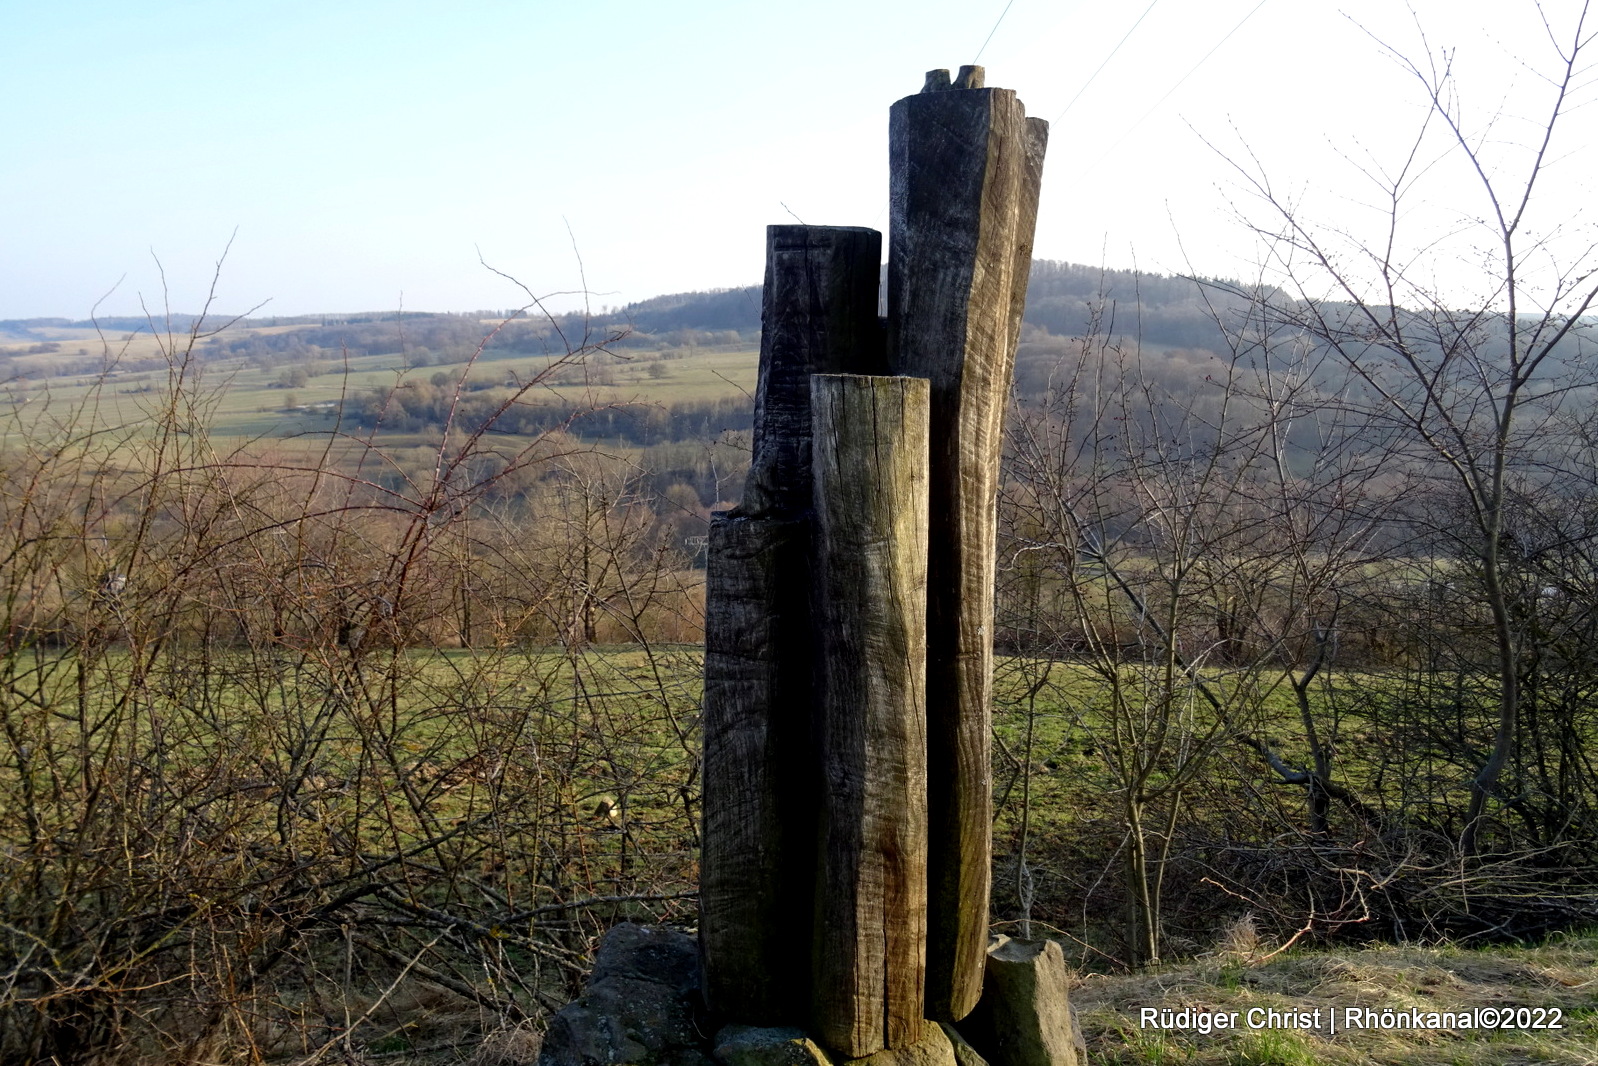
<point>964,171</point>
<point>761,771</point>
<point>818,316</point>
<point>759,796</point>
<point>870,474</point>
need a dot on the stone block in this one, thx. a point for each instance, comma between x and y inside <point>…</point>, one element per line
<point>641,1007</point>
<point>933,1049</point>
<point>1024,1017</point>
<point>964,1053</point>
<point>749,1045</point>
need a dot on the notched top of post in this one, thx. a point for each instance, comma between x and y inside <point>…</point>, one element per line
<point>971,77</point>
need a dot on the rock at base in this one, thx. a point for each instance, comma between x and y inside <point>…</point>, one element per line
<point>749,1045</point>
<point>964,1053</point>
<point>648,953</point>
<point>933,1049</point>
<point>641,1006</point>
<point>1024,1017</point>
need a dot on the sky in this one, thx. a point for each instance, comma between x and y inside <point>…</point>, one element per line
<point>349,155</point>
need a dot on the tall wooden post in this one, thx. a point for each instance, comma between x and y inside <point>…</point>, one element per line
<point>818,315</point>
<point>870,469</point>
<point>848,646</point>
<point>965,167</point>
<point>761,777</point>
<point>754,896</point>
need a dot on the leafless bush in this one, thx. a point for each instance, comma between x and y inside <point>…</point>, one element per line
<point>292,734</point>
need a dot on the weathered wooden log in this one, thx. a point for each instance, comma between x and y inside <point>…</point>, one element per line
<point>870,472</point>
<point>965,169</point>
<point>760,790</point>
<point>818,316</point>
<point>761,771</point>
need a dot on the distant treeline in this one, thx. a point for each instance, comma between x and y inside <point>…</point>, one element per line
<point>718,309</point>
<point>1177,322</point>
<point>425,408</point>
<point>1061,299</point>
<point>1170,311</point>
<point>183,323</point>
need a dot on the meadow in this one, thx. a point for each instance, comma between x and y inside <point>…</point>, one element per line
<point>293,724</point>
<point>259,854</point>
<point>344,733</point>
<point>1240,974</point>
<point>123,374</point>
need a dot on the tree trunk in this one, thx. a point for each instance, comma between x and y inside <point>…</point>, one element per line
<point>1143,921</point>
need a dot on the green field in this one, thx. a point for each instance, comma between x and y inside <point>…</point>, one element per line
<point>247,401</point>
<point>521,799</point>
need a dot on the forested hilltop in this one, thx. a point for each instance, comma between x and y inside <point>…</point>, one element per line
<point>1061,300</point>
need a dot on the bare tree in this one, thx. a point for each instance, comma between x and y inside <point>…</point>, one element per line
<point>1474,382</point>
<point>1134,526</point>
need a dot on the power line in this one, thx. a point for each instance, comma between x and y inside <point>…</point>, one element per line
<point>1196,66</point>
<point>1180,81</point>
<point>1107,59</point>
<point>991,32</point>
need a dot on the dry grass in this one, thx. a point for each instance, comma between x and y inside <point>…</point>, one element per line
<point>518,1046</point>
<point>1561,974</point>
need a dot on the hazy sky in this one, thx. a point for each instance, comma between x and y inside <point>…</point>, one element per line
<point>367,153</point>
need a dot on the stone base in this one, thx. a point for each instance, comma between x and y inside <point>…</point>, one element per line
<point>644,1006</point>
<point>933,1049</point>
<point>748,1045</point>
<point>744,1045</point>
<point>1024,1017</point>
